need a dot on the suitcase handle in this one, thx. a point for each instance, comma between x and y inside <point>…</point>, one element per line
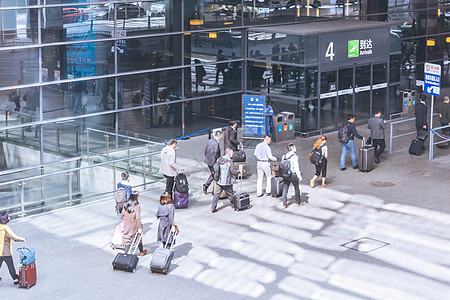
<point>133,245</point>
<point>174,234</point>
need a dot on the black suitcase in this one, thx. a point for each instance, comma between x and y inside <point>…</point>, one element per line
<point>241,200</point>
<point>239,155</point>
<point>416,147</point>
<point>422,135</point>
<point>162,257</point>
<point>276,188</point>
<point>127,261</point>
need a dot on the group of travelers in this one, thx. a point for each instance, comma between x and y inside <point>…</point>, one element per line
<point>130,215</point>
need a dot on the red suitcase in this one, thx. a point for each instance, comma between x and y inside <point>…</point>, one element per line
<point>27,275</point>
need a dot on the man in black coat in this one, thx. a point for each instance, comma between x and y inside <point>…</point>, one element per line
<point>212,153</point>
<point>230,136</point>
<point>421,114</point>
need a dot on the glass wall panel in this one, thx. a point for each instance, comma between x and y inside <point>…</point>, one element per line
<point>362,92</point>
<point>76,60</point>
<point>213,79</point>
<point>18,67</point>
<point>150,53</point>
<point>328,94</point>
<point>15,25</point>
<point>201,14</point>
<point>205,46</point>
<point>345,94</point>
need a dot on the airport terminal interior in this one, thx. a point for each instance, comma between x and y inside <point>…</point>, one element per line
<point>101,85</point>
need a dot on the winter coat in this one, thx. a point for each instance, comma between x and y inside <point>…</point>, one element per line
<point>168,165</point>
<point>132,222</point>
<point>227,171</point>
<point>6,238</point>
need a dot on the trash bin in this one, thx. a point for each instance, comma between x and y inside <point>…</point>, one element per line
<point>288,125</point>
<point>413,95</point>
<point>406,100</point>
<point>277,130</point>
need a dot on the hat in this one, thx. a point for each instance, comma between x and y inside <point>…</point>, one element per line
<point>4,219</point>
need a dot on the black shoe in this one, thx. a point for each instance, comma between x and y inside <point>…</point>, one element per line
<point>259,195</point>
<point>268,194</point>
<point>205,190</point>
<point>16,281</point>
<point>213,210</point>
<point>356,167</point>
<point>377,161</point>
<point>343,169</point>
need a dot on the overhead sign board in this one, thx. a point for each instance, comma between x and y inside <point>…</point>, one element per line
<point>432,79</point>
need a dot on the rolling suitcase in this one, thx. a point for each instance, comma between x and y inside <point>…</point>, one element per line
<point>27,268</point>
<point>126,261</point>
<point>276,184</point>
<point>416,147</point>
<point>239,155</point>
<point>422,135</point>
<point>366,158</point>
<point>243,165</point>
<point>275,170</point>
<point>241,200</point>
<point>180,200</point>
<point>162,257</point>
<point>116,241</point>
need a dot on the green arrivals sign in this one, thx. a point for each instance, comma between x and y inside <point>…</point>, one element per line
<point>353,48</point>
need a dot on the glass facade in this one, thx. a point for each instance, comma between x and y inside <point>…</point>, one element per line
<point>171,68</point>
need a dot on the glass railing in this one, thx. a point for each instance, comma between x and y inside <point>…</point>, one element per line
<point>43,188</point>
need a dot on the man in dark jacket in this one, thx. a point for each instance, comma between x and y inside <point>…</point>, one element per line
<point>421,116</point>
<point>230,136</point>
<point>350,145</point>
<point>212,153</point>
<point>377,126</point>
<point>227,175</point>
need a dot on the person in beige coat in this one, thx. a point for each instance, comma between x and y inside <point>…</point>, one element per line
<point>168,166</point>
<point>132,223</point>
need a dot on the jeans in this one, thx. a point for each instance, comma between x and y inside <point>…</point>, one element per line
<point>350,145</point>
<point>295,183</point>
<point>379,145</point>
<point>9,262</point>
<point>169,184</point>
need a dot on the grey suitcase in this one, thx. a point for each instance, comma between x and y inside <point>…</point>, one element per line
<point>366,158</point>
<point>276,188</point>
<point>162,257</point>
<point>126,261</point>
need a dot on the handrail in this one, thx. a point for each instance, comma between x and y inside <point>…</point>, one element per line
<point>391,130</point>
<point>124,136</point>
<point>78,168</point>
<point>24,169</point>
<point>432,143</point>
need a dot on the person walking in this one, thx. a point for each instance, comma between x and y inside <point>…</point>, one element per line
<point>168,166</point>
<point>230,136</point>
<point>295,178</point>
<point>321,167</point>
<point>6,238</point>
<point>220,66</point>
<point>227,175</point>
<point>199,74</point>
<point>264,156</point>
<point>212,153</point>
<point>132,223</point>
<point>119,196</point>
<point>421,111</point>
<point>443,109</point>
<point>377,126</point>
<point>351,133</point>
<point>268,117</point>
<point>166,217</point>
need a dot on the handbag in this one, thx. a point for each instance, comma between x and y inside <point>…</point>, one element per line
<point>27,256</point>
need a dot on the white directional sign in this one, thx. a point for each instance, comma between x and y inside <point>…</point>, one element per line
<point>432,79</point>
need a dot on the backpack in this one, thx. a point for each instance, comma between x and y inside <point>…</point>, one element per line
<point>285,167</point>
<point>181,183</point>
<point>216,174</point>
<point>315,157</point>
<point>343,136</point>
<point>121,198</point>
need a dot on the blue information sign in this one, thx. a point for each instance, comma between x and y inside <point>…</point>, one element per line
<point>254,107</point>
<point>432,79</point>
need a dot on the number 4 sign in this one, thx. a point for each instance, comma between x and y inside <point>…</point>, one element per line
<point>330,51</point>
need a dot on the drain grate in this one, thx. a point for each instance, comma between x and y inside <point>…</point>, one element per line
<point>365,245</point>
<point>382,184</point>
<point>422,173</point>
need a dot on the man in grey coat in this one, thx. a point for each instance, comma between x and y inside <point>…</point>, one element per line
<point>212,153</point>
<point>227,175</point>
<point>377,126</point>
<point>168,166</point>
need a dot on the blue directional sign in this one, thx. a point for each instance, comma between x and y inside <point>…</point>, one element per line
<point>432,79</point>
<point>254,107</point>
<point>121,47</point>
